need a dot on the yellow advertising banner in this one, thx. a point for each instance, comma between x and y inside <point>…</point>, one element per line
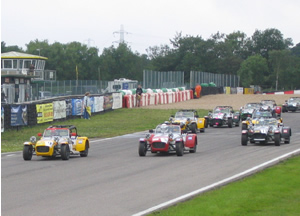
<point>44,112</point>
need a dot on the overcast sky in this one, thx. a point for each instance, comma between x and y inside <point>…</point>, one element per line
<point>146,23</point>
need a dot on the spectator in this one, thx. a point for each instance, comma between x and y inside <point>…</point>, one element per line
<point>31,70</point>
<point>86,107</point>
<point>198,90</point>
<point>139,92</point>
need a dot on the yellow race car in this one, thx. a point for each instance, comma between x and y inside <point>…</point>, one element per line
<point>189,121</point>
<point>57,140</point>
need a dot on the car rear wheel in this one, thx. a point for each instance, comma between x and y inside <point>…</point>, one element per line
<point>193,150</point>
<point>277,139</point>
<point>85,152</point>
<point>194,128</point>
<point>230,123</point>
<point>27,152</point>
<point>287,141</point>
<point>142,149</point>
<point>179,148</point>
<point>244,139</point>
<point>244,126</point>
<point>65,152</point>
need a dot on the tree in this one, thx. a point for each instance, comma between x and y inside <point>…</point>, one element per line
<point>5,49</point>
<point>268,40</point>
<point>254,71</point>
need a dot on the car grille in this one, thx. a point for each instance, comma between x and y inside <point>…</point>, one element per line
<point>158,145</point>
<point>259,136</point>
<point>215,121</point>
<point>42,149</point>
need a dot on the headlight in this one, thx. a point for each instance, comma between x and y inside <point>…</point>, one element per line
<point>147,136</point>
<point>171,137</point>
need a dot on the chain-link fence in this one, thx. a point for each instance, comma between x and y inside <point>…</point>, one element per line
<point>46,89</point>
<point>157,79</point>
<point>220,80</point>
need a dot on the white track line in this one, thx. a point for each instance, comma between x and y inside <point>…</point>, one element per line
<point>218,184</point>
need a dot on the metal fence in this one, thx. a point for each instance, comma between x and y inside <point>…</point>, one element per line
<point>67,87</point>
<point>157,79</point>
<point>220,80</point>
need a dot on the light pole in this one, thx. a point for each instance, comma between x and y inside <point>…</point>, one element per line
<point>39,51</point>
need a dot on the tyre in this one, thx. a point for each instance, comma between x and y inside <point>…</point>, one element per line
<point>65,152</point>
<point>244,126</point>
<point>202,130</point>
<point>27,152</point>
<point>206,123</point>
<point>287,141</point>
<point>179,148</point>
<point>142,149</point>
<point>277,139</point>
<point>194,149</point>
<point>85,152</point>
<point>194,128</point>
<point>230,123</point>
<point>237,124</point>
<point>244,139</point>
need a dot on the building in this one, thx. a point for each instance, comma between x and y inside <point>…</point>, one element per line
<point>18,71</point>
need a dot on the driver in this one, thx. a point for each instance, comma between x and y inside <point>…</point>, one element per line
<point>164,128</point>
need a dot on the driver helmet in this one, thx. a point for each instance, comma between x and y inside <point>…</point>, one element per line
<point>164,128</point>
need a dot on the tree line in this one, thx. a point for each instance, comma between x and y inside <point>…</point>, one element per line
<point>266,58</point>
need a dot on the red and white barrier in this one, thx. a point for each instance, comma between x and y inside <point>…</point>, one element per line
<point>149,99</point>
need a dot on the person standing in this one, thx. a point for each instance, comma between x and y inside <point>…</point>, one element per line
<point>86,107</point>
<point>138,92</point>
<point>198,90</point>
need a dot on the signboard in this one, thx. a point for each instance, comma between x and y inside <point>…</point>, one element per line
<point>98,104</point>
<point>44,112</point>
<point>117,100</point>
<point>77,107</point>
<point>59,109</point>
<point>18,115</point>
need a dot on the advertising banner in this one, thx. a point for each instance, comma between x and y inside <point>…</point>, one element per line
<point>108,101</point>
<point>2,119</point>
<point>77,108</point>
<point>44,112</point>
<point>117,100</point>
<point>18,115</point>
<point>91,103</point>
<point>68,107</point>
<point>59,109</point>
<point>98,104</point>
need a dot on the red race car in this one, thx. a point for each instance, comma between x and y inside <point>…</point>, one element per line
<point>167,138</point>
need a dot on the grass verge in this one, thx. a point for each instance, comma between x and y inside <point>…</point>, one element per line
<point>274,191</point>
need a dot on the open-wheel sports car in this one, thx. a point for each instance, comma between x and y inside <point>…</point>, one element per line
<point>267,130</point>
<point>189,120</point>
<point>167,138</point>
<point>57,140</point>
<point>271,105</point>
<point>223,116</point>
<point>247,110</point>
<point>292,104</point>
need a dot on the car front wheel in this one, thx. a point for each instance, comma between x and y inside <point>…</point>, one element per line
<point>179,148</point>
<point>27,152</point>
<point>85,152</point>
<point>65,152</point>
<point>142,149</point>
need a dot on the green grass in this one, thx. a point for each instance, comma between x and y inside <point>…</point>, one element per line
<point>275,191</point>
<point>107,124</point>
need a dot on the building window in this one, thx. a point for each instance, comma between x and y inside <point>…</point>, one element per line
<point>7,63</point>
<point>15,64</point>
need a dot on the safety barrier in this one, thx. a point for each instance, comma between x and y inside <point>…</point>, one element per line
<point>284,92</point>
<point>149,99</point>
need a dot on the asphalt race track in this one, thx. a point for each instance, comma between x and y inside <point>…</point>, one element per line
<point>114,180</point>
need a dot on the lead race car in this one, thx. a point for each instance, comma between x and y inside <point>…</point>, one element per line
<point>167,138</point>
<point>267,130</point>
<point>57,140</point>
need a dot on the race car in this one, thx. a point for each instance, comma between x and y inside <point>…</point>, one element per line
<point>271,105</point>
<point>57,140</point>
<point>265,131</point>
<point>189,120</point>
<point>167,138</point>
<point>223,116</point>
<point>248,109</point>
<point>292,104</point>
<point>257,114</point>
